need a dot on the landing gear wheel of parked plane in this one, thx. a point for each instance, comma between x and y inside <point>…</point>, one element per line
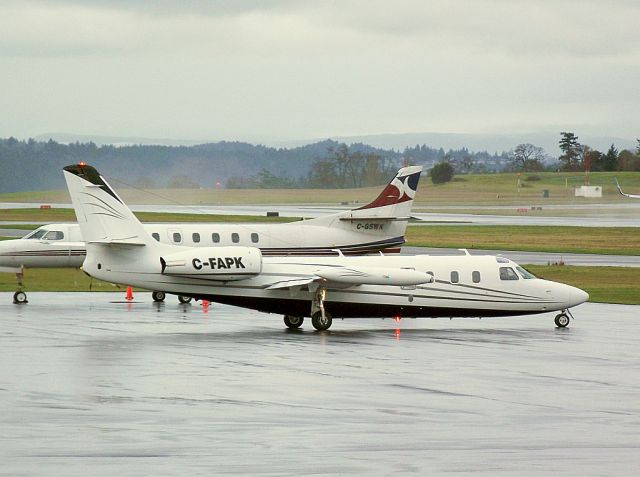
<point>562,320</point>
<point>158,296</point>
<point>293,321</point>
<point>184,299</point>
<point>20,297</point>
<point>320,322</point>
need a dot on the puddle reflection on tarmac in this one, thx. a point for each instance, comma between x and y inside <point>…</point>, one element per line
<point>89,385</point>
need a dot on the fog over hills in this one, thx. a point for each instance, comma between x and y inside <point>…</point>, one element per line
<point>398,141</point>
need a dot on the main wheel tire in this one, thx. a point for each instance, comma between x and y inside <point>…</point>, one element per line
<point>184,299</point>
<point>561,320</point>
<point>158,296</point>
<point>320,323</point>
<point>293,321</point>
<point>19,297</point>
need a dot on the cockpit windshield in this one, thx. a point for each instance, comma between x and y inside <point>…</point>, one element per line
<point>45,234</point>
<point>527,275</point>
<point>36,234</point>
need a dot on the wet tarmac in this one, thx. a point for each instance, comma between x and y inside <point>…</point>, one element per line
<point>93,387</point>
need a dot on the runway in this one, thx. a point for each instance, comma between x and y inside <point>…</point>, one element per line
<point>601,217</point>
<point>92,387</point>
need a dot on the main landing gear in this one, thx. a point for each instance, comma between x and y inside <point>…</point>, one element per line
<point>159,297</point>
<point>293,322</point>
<point>320,318</point>
<point>562,320</point>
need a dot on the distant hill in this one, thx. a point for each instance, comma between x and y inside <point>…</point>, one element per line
<point>492,143</point>
<point>36,165</point>
<point>484,142</point>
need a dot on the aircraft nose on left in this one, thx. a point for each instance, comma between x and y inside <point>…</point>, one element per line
<point>7,259</point>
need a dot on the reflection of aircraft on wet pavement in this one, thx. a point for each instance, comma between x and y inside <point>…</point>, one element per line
<point>377,226</point>
<point>632,196</point>
<point>120,250</point>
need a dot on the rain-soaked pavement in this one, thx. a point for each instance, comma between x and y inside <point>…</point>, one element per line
<point>91,387</point>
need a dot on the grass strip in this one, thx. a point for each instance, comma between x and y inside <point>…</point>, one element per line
<point>604,284</point>
<point>528,238</point>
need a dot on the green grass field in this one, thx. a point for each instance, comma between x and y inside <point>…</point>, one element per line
<point>604,284</point>
<point>488,189</point>
<point>600,240</point>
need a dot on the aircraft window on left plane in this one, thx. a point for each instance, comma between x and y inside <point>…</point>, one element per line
<point>156,236</point>
<point>507,273</point>
<point>196,237</point>
<point>177,237</point>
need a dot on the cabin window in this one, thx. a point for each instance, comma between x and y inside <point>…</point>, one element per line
<point>235,238</point>
<point>475,276</point>
<point>215,237</point>
<point>177,237</point>
<point>156,236</point>
<point>53,235</point>
<point>196,237</point>
<point>255,237</point>
<point>507,273</point>
<point>527,275</point>
<point>455,277</point>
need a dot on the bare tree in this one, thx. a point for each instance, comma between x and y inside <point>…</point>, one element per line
<point>527,157</point>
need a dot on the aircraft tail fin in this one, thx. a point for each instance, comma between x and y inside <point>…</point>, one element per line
<point>396,199</point>
<point>103,217</point>
<point>383,220</point>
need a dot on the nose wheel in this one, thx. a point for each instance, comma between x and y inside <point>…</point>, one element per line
<point>562,320</point>
<point>20,297</point>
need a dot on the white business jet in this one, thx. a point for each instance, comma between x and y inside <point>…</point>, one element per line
<point>377,226</point>
<point>121,250</point>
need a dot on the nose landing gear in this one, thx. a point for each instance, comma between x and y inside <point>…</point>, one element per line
<point>562,320</point>
<point>20,297</point>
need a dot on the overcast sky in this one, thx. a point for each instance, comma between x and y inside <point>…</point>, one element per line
<point>281,70</point>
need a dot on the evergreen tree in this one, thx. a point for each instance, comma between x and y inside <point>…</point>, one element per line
<point>571,150</point>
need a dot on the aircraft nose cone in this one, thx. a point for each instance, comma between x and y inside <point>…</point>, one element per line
<point>577,296</point>
<point>6,248</point>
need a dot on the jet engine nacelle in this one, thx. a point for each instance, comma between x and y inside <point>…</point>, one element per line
<point>375,276</point>
<point>216,263</point>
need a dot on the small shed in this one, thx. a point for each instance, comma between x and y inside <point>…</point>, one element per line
<point>589,191</point>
